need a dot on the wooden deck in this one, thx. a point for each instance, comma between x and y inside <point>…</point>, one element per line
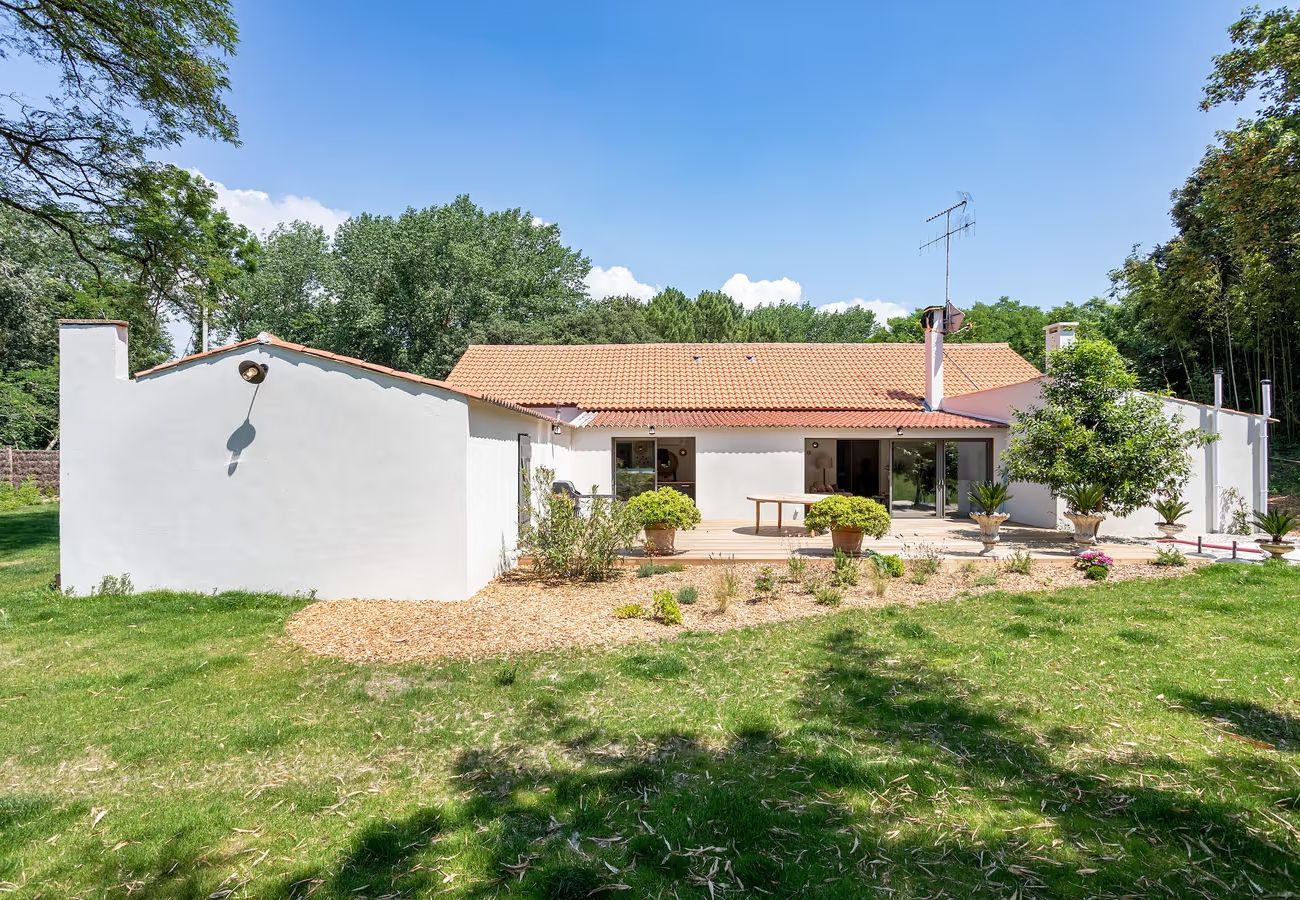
<point>718,540</point>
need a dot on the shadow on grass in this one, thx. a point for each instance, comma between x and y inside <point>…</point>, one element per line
<point>27,529</point>
<point>1246,719</point>
<point>897,777</point>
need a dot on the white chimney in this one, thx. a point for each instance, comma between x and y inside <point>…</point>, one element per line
<point>1059,335</point>
<point>933,320</point>
<point>1266,407</point>
<point>1213,474</point>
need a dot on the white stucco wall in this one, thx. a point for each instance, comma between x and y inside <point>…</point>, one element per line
<point>325,477</point>
<point>734,463</point>
<point>1238,468</point>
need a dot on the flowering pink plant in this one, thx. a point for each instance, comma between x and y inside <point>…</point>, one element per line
<point>1089,558</point>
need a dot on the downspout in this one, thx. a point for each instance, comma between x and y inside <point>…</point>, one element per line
<point>1266,406</point>
<point>1213,512</point>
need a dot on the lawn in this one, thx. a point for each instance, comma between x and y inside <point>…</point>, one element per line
<point>1136,738</point>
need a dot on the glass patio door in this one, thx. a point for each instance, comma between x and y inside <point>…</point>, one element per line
<point>964,463</point>
<point>634,467</point>
<point>913,478</point>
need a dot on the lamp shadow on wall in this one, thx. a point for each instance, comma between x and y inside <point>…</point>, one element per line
<point>241,437</point>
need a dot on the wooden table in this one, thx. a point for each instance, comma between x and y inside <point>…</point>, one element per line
<point>804,500</point>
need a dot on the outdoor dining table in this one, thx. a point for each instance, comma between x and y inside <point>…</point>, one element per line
<point>804,500</point>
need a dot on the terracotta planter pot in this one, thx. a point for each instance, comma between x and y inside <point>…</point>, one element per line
<point>1085,527</point>
<point>1170,529</point>
<point>847,540</point>
<point>1276,550</point>
<point>989,524</point>
<point>660,539</point>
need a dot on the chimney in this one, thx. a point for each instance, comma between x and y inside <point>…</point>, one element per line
<point>1059,335</point>
<point>91,351</point>
<point>932,320</point>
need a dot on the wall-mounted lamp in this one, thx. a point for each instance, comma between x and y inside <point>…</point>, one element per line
<point>652,431</point>
<point>555,428</point>
<point>899,431</point>
<point>681,452</point>
<point>253,373</point>
<point>815,445</point>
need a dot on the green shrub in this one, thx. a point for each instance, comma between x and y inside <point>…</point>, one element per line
<point>845,572</point>
<point>798,566</point>
<point>665,609</point>
<point>566,544</point>
<point>664,508</point>
<point>989,495</point>
<point>1020,562</point>
<point>765,583</point>
<point>645,570</point>
<point>1171,509</point>
<point>629,611</point>
<point>1097,573</point>
<point>828,596</point>
<point>1169,556</point>
<point>839,511</point>
<point>889,564</point>
<point>1084,498</point>
<point>988,579</point>
<point>26,494</point>
<point>1276,523</point>
<point>506,675</point>
<point>688,595</point>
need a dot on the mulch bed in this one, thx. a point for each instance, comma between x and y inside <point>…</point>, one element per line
<point>519,613</point>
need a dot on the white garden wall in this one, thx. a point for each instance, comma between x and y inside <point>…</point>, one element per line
<point>325,477</point>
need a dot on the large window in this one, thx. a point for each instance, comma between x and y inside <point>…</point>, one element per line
<point>643,464</point>
<point>934,477</point>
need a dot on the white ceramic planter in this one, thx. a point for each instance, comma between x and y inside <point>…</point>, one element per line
<point>1170,529</point>
<point>1085,527</point>
<point>989,524</point>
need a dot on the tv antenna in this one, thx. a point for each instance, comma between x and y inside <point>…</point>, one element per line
<point>965,222</point>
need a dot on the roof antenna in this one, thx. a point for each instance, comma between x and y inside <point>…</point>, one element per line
<point>965,222</point>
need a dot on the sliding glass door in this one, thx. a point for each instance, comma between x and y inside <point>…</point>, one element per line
<point>634,467</point>
<point>934,478</point>
<point>913,478</point>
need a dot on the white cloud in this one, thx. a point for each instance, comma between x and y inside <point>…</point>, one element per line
<point>883,309</point>
<point>617,281</point>
<point>750,294</point>
<point>259,212</point>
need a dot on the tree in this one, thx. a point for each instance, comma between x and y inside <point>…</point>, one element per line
<point>671,314</point>
<point>1094,427</point>
<point>414,290</point>
<point>290,292</point>
<point>134,77</point>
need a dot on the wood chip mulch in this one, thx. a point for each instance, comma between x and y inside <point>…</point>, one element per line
<point>519,613</point>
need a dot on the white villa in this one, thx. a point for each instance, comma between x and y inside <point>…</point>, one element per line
<point>267,465</point>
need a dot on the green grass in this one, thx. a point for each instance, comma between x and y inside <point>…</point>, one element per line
<point>1123,739</point>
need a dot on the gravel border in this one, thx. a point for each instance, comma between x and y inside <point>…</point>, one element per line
<point>519,613</point>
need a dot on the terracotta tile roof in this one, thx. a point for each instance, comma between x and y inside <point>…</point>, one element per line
<point>778,418</point>
<point>730,376</point>
<point>272,340</point>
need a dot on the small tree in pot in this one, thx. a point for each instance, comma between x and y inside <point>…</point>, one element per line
<point>1084,507</point>
<point>989,496</point>
<point>847,519</point>
<point>1170,510</point>
<point>1278,525</point>
<point>661,513</point>
<point>1094,428</point>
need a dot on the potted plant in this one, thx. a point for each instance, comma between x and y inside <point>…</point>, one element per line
<point>1084,510</point>
<point>989,496</point>
<point>661,513</point>
<point>1277,524</point>
<point>1170,510</point>
<point>847,519</point>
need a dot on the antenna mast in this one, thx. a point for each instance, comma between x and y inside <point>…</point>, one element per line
<point>965,222</point>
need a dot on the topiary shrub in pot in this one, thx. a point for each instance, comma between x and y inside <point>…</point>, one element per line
<point>1084,503</point>
<point>1277,524</point>
<point>847,519</point>
<point>660,513</point>
<point>1170,510</point>
<point>988,496</point>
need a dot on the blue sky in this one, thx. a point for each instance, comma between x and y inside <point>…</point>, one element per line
<point>691,142</point>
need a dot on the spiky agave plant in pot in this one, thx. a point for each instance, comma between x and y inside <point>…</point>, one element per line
<point>1084,510</point>
<point>989,496</point>
<point>1278,525</point>
<point>1170,510</point>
